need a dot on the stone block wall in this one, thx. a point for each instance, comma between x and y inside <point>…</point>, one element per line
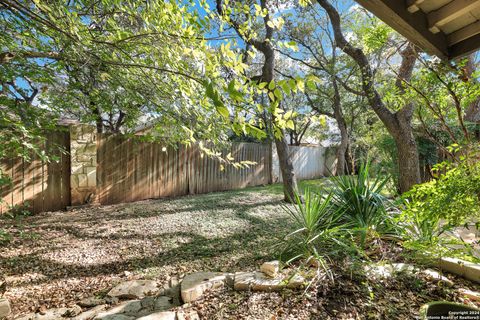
<point>83,151</point>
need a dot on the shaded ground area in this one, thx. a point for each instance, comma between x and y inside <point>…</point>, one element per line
<point>349,297</point>
<point>56,259</point>
<point>59,257</point>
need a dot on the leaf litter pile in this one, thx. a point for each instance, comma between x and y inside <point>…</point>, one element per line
<point>56,259</point>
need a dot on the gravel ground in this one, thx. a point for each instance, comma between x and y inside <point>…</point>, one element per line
<point>57,258</point>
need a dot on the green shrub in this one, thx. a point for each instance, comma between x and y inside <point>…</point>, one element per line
<point>320,231</point>
<point>4,236</point>
<point>339,223</point>
<point>434,207</point>
<point>362,203</point>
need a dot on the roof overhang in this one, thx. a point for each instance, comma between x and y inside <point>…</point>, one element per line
<point>448,29</point>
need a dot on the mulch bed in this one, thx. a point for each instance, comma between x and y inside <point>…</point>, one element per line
<point>348,297</point>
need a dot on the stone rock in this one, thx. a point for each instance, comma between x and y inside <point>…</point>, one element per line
<point>434,275</point>
<point>134,289</point>
<point>111,300</point>
<point>376,271</point>
<point>91,313</point>
<point>127,308</point>
<point>132,307</point>
<point>163,315</point>
<point>91,302</point>
<point>117,317</point>
<point>472,295</point>
<point>242,280</point>
<point>163,303</point>
<point>195,284</point>
<point>5,308</point>
<point>270,268</point>
<point>187,315</point>
<point>257,281</point>
<point>53,314</point>
<point>148,302</point>
<point>73,311</point>
<point>468,270</point>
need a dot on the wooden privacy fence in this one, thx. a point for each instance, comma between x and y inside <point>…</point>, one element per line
<point>113,169</point>
<point>36,185</point>
<point>130,170</point>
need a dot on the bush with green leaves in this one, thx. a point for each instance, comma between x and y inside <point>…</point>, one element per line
<point>451,200</point>
<point>319,229</point>
<point>364,206</point>
<point>338,222</point>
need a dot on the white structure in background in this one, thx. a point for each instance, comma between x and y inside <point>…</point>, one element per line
<point>309,162</point>
<point>315,158</point>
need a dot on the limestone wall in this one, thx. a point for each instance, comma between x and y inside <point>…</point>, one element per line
<point>83,151</point>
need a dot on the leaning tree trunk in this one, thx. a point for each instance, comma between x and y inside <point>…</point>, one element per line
<point>398,124</point>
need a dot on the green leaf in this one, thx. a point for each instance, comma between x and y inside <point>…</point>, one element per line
<point>278,94</point>
<point>223,110</point>
<point>262,85</point>
<point>301,85</point>
<point>271,85</point>
<point>311,85</point>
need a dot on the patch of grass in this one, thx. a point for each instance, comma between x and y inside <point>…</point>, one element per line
<point>315,185</point>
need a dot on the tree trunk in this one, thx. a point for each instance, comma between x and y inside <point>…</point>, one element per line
<point>342,151</point>
<point>265,46</point>
<point>402,132</point>
<point>98,117</point>
<point>398,124</point>
<point>342,126</point>
<point>350,160</point>
<point>408,160</point>
<point>472,114</point>
<point>290,187</point>
<point>408,163</point>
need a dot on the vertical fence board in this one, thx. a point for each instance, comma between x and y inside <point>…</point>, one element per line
<point>36,185</point>
<point>143,170</point>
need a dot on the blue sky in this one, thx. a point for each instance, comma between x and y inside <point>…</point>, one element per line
<point>343,5</point>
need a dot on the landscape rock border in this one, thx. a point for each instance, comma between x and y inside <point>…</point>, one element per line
<point>148,301</point>
<point>465,269</point>
<point>5,308</point>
